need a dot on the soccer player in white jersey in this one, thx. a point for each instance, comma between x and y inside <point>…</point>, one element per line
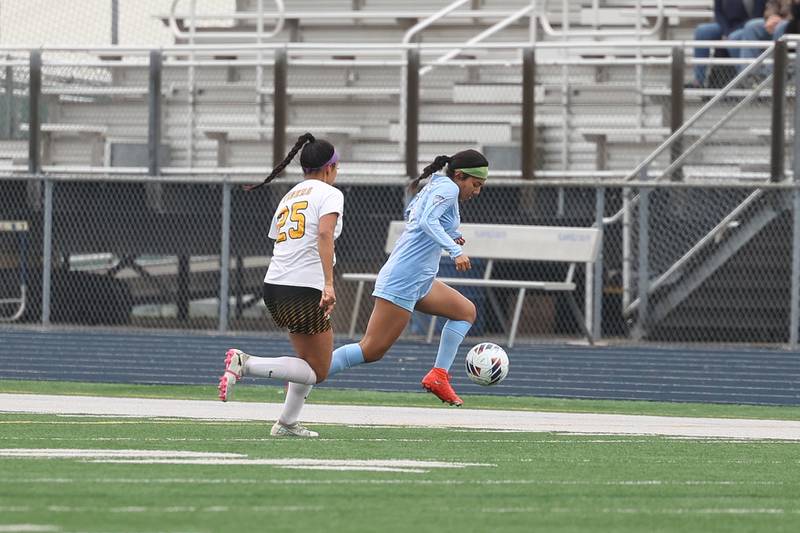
<point>298,287</point>
<point>407,280</point>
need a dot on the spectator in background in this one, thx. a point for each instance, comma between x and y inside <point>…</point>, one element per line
<point>772,26</point>
<point>730,16</point>
<point>794,18</point>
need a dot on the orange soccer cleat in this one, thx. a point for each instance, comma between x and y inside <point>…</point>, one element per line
<point>437,381</point>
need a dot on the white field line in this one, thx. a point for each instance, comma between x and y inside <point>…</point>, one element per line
<point>581,442</point>
<point>155,509</point>
<point>25,528</point>
<point>635,510</point>
<point>228,459</point>
<point>406,481</point>
<point>73,453</point>
<point>296,462</point>
<point>576,423</point>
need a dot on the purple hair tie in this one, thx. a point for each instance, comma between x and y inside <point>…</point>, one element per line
<point>332,161</point>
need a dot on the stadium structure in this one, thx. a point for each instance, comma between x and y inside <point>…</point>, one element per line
<point>121,165</point>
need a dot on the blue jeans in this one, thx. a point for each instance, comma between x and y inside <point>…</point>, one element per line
<point>711,31</point>
<point>754,30</point>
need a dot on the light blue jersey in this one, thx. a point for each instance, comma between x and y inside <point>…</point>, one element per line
<point>432,221</point>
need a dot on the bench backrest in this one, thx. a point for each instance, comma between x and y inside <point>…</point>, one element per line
<point>531,243</point>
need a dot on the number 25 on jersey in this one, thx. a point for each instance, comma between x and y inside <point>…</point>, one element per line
<point>295,215</point>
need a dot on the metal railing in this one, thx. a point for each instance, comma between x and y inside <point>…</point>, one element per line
<point>303,55</point>
<point>595,32</point>
<point>259,16</point>
<point>649,286</point>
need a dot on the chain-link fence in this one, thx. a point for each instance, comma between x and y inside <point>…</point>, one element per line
<point>718,261</point>
<point>145,251</point>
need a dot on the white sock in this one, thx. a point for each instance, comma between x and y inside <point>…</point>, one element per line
<point>296,396</point>
<point>291,369</point>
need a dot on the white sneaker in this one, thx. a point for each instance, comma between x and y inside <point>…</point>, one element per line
<point>291,430</point>
<point>234,367</point>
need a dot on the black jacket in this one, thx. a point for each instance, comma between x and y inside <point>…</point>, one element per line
<point>731,14</point>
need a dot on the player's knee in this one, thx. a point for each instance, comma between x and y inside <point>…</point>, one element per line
<point>373,349</point>
<point>470,312</point>
<point>322,375</point>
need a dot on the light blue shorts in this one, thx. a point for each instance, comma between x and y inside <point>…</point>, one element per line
<point>406,302</point>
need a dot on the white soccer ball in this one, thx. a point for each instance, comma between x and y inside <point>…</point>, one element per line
<point>487,364</point>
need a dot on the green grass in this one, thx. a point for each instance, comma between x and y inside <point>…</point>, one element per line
<point>537,481</point>
<point>260,393</point>
<point>534,481</point>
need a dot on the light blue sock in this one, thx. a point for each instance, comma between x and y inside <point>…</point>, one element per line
<point>453,333</point>
<point>346,356</point>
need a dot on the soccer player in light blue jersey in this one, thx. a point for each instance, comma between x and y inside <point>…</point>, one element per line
<point>407,280</point>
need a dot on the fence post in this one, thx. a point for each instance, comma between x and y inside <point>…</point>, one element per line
<point>225,257</point>
<point>47,250</point>
<point>596,327</point>
<point>643,273</point>
<point>34,121</point>
<point>114,21</point>
<point>412,113</point>
<point>794,315</point>
<point>528,147</point>
<point>676,108</point>
<point>778,111</point>
<point>281,106</point>
<point>9,129</point>
<point>154,114</point>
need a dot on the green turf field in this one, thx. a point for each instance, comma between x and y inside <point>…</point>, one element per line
<point>477,481</point>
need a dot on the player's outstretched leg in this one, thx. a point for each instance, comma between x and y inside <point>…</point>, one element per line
<point>238,363</point>
<point>234,367</point>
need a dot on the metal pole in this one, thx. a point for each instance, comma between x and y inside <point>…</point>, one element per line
<point>114,21</point>
<point>528,113</point>
<point>777,156</point>
<point>676,108</point>
<point>225,258</point>
<point>644,265</point>
<point>182,295</point>
<point>34,121</point>
<point>412,114</point>
<point>47,250</point>
<point>191,96</point>
<point>794,314</point>
<point>8,130</point>
<point>281,105</point>
<point>596,326</point>
<point>154,114</point>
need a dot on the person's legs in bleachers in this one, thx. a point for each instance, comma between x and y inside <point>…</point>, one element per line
<point>709,31</point>
<point>754,30</point>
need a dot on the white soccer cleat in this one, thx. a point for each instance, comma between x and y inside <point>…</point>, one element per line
<point>234,368</point>
<point>291,430</point>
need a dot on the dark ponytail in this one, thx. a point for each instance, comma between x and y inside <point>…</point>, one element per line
<point>438,164</point>
<point>303,139</point>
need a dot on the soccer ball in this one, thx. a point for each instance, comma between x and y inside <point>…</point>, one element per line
<point>487,364</point>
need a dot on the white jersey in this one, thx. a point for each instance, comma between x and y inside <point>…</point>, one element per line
<point>295,230</point>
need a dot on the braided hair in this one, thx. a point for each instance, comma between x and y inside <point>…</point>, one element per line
<point>464,159</point>
<point>314,155</point>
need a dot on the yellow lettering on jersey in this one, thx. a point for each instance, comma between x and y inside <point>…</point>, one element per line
<point>296,215</point>
<point>297,193</point>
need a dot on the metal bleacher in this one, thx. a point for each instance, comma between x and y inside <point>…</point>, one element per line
<point>218,113</point>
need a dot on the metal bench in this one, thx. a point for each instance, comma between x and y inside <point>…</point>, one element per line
<point>509,243</point>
